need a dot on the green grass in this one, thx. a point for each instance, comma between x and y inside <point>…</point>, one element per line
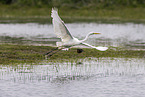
<point>11,54</point>
<point>42,14</point>
<point>21,54</point>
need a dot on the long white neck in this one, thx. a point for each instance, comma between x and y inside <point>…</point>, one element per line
<point>86,37</point>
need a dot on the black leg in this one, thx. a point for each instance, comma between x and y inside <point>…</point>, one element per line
<point>51,51</point>
<point>49,55</point>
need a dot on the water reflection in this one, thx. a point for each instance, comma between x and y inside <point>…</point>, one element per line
<point>63,72</point>
<point>95,77</point>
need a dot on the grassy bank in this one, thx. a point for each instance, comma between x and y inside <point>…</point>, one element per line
<point>20,54</point>
<point>13,13</point>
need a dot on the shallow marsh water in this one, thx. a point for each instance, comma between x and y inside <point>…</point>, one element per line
<point>95,77</point>
<point>127,34</point>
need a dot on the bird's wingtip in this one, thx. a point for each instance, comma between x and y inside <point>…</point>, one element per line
<point>54,11</point>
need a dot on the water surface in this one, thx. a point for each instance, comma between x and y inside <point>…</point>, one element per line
<point>103,77</point>
<point>118,35</point>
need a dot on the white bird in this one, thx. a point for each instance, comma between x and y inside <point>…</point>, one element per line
<point>67,39</point>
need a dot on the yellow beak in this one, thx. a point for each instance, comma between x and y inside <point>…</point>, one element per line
<point>96,33</point>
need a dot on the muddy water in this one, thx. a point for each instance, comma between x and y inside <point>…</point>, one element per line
<point>117,77</point>
<point>127,34</point>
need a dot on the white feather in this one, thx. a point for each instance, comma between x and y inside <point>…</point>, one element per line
<point>62,32</point>
<point>59,27</point>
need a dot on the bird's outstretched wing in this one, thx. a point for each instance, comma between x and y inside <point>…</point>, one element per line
<point>98,48</point>
<point>59,27</point>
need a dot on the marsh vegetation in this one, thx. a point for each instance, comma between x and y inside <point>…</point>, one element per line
<point>28,42</point>
<point>73,10</point>
<point>20,54</point>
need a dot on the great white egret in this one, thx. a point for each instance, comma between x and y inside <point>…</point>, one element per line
<point>67,40</point>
